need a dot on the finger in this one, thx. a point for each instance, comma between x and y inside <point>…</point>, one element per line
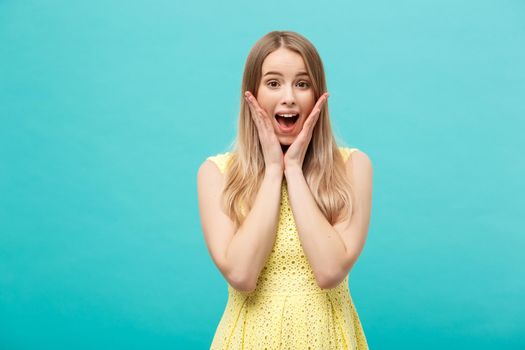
<point>253,107</point>
<point>314,114</point>
<point>255,116</point>
<point>263,125</point>
<point>316,111</point>
<point>253,101</point>
<point>264,118</point>
<point>322,99</point>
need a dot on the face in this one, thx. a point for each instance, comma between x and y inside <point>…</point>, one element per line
<point>286,88</point>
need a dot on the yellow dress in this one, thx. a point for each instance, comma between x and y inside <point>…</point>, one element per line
<point>288,310</point>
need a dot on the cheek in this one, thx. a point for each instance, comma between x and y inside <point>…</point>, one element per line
<point>308,101</point>
<point>266,102</point>
<point>308,107</point>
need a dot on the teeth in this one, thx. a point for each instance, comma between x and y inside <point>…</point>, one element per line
<point>287,115</point>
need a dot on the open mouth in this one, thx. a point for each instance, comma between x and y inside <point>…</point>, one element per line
<point>287,121</point>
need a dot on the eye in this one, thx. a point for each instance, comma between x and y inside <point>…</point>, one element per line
<point>305,84</point>
<point>272,82</point>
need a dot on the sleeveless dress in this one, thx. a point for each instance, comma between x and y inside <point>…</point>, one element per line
<point>287,309</point>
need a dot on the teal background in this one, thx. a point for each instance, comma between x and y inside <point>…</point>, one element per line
<point>108,108</point>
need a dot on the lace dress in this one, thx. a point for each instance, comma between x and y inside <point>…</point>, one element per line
<point>288,310</point>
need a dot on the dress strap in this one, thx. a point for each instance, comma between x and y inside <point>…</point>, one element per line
<point>221,160</point>
<point>346,152</point>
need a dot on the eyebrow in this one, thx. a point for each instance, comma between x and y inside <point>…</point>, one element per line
<point>277,73</point>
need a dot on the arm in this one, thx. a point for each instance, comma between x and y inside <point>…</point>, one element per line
<point>239,253</point>
<point>248,250</point>
<point>332,250</point>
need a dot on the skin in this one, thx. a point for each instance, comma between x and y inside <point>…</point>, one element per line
<point>287,91</point>
<point>331,250</point>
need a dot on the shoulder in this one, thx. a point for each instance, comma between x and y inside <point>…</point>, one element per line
<point>216,164</point>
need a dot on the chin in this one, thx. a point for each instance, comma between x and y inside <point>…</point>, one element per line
<point>286,141</point>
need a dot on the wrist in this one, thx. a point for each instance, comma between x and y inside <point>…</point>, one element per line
<point>273,171</point>
<point>292,170</point>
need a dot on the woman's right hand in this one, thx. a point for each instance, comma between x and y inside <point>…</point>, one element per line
<point>271,147</point>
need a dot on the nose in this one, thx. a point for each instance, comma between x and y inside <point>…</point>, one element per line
<point>288,97</point>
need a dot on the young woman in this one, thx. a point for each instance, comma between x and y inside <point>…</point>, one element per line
<point>285,213</point>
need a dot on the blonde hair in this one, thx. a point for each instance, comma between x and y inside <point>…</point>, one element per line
<point>323,165</point>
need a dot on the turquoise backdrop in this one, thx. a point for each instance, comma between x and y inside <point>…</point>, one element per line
<point>108,108</point>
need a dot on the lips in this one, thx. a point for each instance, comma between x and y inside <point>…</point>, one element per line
<point>286,117</point>
<point>286,121</point>
<point>287,112</point>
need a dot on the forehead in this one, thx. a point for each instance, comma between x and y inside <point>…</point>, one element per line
<point>284,61</point>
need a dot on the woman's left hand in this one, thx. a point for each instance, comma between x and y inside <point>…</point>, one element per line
<point>294,156</point>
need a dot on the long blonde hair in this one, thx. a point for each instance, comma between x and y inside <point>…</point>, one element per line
<point>323,165</point>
